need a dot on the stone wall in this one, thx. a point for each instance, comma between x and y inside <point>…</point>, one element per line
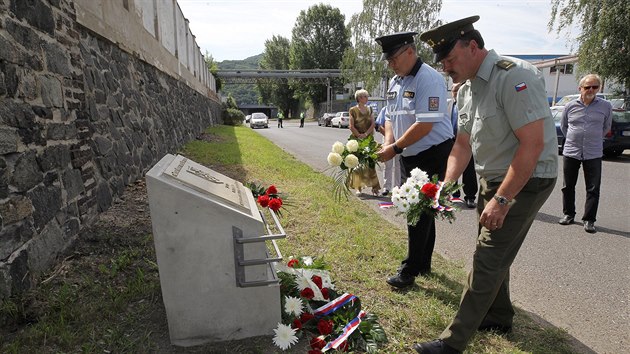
<point>79,120</point>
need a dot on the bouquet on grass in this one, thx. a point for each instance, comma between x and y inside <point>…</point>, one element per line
<point>419,194</point>
<point>267,197</point>
<point>355,155</point>
<point>312,306</point>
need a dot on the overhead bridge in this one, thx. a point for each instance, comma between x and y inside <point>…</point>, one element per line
<point>253,76</point>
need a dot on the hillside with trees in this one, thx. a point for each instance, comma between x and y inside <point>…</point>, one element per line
<point>242,93</point>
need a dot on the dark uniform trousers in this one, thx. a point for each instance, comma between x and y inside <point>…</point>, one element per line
<point>486,296</point>
<point>469,179</point>
<point>421,237</point>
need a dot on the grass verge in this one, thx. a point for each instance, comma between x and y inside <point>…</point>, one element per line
<point>105,295</point>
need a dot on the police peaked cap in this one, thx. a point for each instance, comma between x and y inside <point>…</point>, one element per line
<point>392,42</point>
<point>442,39</point>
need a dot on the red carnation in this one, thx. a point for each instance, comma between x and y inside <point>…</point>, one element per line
<point>318,343</point>
<point>317,280</point>
<point>325,293</point>
<point>306,316</point>
<point>271,190</point>
<point>307,293</point>
<point>430,190</point>
<point>263,200</point>
<point>325,327</point>
<point>296,324</point>
<point>275,204</point>
<point>293,262</point>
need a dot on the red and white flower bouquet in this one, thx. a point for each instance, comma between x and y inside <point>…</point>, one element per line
<point>419,194</point>
<point>312,306</point>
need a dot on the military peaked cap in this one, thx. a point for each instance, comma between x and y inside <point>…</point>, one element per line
<point>442,39</point>
<point>392,42</point>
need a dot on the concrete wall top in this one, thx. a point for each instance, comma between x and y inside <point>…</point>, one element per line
<point>152,30</point>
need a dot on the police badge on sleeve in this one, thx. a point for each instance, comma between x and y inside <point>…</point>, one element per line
<point>434,103</point>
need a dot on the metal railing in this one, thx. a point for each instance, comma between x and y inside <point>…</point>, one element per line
<point>239,253</point>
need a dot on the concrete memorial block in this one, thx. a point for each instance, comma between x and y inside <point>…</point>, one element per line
<point>201,219</point>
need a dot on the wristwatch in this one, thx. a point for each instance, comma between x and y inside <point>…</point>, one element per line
<point>502,200</point>
<point>397,150</point>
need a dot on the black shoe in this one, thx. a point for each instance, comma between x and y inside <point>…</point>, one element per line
<point>494,327</point>
<point>589,226</point>
<point>435,347</point>
<point>401,280</point>
<point>385,192</point>
<point>470,203</point>
<point>566,220</point>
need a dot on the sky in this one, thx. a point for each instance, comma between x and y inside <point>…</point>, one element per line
<point>237,29</point>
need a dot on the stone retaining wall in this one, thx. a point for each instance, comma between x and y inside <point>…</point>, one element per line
<point>80,119</point>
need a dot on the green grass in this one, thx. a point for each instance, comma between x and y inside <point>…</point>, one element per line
<point>110,301</point>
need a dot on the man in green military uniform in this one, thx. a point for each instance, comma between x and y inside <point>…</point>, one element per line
<point>506,125</point>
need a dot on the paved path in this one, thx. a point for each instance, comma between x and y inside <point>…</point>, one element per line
<point>567,277</point>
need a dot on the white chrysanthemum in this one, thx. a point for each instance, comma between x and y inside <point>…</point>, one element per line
<point>307,261</point>
<point>413,197</point>
<point>396,191</point>
<point>301,281</point>
<point>285,336</point>
<point>351,161</point>
<point>334,159</point>
<point>420,177</point>
<point>293,305</point>
<point>403,206</point>
<point>352,145</point>
<point>406,188</point>
<point>396,199</point>
<point>338,147</point>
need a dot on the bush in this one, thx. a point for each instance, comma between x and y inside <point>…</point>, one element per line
<point>232,116</point>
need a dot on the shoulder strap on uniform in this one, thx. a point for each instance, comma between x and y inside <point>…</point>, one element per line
<point>505,64</point>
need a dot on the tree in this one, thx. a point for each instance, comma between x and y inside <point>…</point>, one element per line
<point>274,91</point>
<point>604,42</point>
<point>319,39</point>
<point>361,63</point>
<point>213,67</point>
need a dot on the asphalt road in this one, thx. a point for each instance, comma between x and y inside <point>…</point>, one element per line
<point>564,276</point>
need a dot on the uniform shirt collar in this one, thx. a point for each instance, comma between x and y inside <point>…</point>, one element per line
<point>485,69</point>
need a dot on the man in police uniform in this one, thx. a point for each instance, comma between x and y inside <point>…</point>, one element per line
<point>506,124</point>
<point>418,128</point>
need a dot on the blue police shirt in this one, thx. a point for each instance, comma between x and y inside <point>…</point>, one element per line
<point>419,97</point>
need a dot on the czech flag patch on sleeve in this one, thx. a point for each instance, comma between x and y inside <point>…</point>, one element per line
<point>520,87</point>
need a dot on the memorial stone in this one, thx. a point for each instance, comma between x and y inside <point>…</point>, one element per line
<point>197,214</point>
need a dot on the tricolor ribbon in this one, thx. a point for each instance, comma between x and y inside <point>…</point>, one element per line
<point>334,305</point>
<point>436,200</point>
<point>347,331</point>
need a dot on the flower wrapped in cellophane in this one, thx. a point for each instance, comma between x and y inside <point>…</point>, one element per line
<point>355,155</point>
<point>421,194</point>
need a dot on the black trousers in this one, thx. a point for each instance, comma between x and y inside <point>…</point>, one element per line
<point>592,180</point>
<point>421,237</point>
<point>469,179</point>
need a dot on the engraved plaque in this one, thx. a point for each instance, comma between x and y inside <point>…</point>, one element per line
<point>207,181</point>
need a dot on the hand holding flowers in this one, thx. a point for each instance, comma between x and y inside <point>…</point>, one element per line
<point>419,194</point>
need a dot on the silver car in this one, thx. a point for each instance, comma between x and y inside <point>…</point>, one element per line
<point>259,120</point>
<point>340,120</point>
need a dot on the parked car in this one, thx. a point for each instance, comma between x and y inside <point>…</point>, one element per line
<point>247,118</point>
<point>619,104</point>
<point>325,119</point>
<point>340,120</point>
<point>556,113</point>
<point>618,138</point>
<point>259,120</point>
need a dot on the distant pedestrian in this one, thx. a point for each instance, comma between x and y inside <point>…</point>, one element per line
<point>280,117</point>
<point>302,119</point>
<point>585,122</point>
